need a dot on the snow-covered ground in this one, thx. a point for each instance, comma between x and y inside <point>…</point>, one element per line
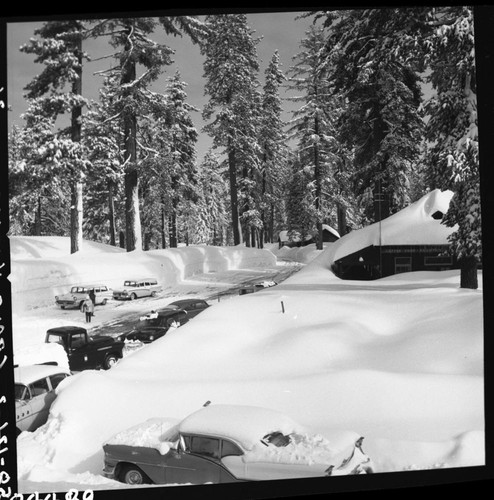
<point>398,360</point>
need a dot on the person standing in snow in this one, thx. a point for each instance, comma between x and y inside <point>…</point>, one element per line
<point>88,308</point>
<point>92,296</point>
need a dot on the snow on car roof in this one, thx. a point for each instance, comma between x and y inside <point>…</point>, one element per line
<point>159,433</point>
<point>244,424</point>
<point>30,373</point>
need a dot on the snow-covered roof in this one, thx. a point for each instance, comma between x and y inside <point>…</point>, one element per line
<point>246,425</point>
<point>414,225</point>
<point>283,235</point>
<point>295,236</point>
<point>331,230</point>
<point>29,374</point>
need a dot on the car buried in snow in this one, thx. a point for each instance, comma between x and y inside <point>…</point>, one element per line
<point>34,392</point>
<point>155,324</point>
<point>229,443</point>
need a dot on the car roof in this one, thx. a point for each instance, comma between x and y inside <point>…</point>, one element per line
<point>182,302</point>
<point>242,423</point>
<point>91,285</point>
<point>67,329</point>
<point>170,311</point>
<point>30,373</point>
<point>139,279</point>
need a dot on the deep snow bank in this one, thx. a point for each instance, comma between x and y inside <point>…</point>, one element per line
<point>43,268</point>
<point>398,360</point>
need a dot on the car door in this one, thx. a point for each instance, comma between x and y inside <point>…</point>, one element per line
<point>41,399</point>
<point>196,462</point>
<point>81,355</point>
<point>23,411</point>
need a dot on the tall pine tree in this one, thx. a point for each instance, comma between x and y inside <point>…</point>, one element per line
<point>230,69</point>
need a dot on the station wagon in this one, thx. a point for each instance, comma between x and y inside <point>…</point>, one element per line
<point>78,294</point>
<point>135,288</point>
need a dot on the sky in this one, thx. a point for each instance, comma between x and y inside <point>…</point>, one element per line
<point>399,360</point>
<point>279,31</point>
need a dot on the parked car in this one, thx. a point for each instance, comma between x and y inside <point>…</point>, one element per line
<point>34,388</point>
<point>135,288</point>
<point>256,287</point>
<point>192,306</point>
<point>154,325</point>
<point>78,294</point>
<point>228,443</point>
<point>85,352</point>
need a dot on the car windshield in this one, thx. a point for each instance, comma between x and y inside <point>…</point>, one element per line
<point>276,438</point>
<point>20,392</point>
<point>55,339</point>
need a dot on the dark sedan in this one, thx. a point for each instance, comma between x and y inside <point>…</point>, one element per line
<point>154,325</point>
<point>192,306</point>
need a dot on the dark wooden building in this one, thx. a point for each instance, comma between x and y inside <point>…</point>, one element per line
<point>411,240</point>
<point>329,235</point>
<point>375,262</point>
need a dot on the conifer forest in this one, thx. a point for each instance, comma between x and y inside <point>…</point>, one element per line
<point>383,110</point>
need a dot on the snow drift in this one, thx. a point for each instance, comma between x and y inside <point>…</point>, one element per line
<point>397,360</point>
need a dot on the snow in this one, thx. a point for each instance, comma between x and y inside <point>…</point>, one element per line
<point>245,424</point>
<point>414,225</point>
<point>397,360</point>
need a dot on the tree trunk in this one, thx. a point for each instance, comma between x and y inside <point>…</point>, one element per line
<point>468,274</point>
<point>76,188</point>
<point>172,226</point>
<point>133,238</point>
<point>147,240</point>
<point>232,168</point>
<point>76,217</point>
<point>111,213</point>
<point>271,224</point>
<point>37,219</point>
<point>341,214</point>
<point>318,181</point>
<point>163,228</point>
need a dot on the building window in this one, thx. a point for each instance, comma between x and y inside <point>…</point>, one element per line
<point>439,260</point>
<point>403,264</point>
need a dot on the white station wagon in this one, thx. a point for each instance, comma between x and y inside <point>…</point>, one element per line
<point>135,288</point>
<point>34,387</point>
<point>78,294</point>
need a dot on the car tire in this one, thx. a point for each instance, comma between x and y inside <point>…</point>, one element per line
<point>131,474</point>
<point>103,303</point>
<point>133,296</point>
<point>153,294</point>
<point>62,307</point>
<point>110,360</point>
<point>81,303</point>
